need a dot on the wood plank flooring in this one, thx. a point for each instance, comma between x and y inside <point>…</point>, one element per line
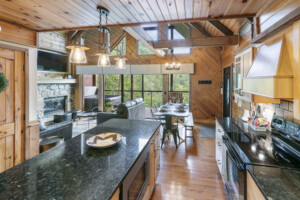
<point>190,172</point>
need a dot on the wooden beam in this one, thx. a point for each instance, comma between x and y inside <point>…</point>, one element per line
<point>221,27</point>
<point>140,34</point>
<point>197,42</point>
<point>198,27</point>
<point>118,41</point>
<point>278,26</point>
<point>211,18</point>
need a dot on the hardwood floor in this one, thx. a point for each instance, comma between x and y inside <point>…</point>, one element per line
<point>190,172</point>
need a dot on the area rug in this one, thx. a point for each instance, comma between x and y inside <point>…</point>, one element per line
<point>208,131</point>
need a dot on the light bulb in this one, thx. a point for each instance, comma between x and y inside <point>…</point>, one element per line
<point>77,55</point>
<point>167,64</point>
<point>103,60</point>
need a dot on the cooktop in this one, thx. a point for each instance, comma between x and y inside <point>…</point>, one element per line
<point>279,146</point>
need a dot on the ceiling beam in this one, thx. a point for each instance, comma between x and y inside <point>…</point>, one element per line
<point>211,18</point>
<point>220,27</point>
<point>197,42</point>
<point>140,34</point>
<point>199,28</point>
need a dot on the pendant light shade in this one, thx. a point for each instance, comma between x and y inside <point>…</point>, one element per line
<point>120,62</point>
<point>103,59</point>
<point>77,54</point>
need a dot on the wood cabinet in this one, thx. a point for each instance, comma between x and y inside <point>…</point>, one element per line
<point>154,165</point>
<point>253,192</point>
<point>243,62</point>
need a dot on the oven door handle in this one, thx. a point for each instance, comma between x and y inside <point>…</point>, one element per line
<point>238,165</point>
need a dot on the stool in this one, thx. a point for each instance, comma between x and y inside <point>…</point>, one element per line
<point>74,113</point>
<point>50,142</point>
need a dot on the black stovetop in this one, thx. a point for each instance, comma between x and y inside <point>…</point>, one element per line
<point>272,147</point>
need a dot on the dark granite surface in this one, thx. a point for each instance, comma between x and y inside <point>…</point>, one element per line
<point>75,171</point>
<point>276,183</point>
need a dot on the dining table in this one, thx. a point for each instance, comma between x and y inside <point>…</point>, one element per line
<point>172,109</point>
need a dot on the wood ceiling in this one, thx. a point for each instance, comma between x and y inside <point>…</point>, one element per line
<point>61,14</point>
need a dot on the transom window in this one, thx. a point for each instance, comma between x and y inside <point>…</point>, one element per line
<point>178,32</point>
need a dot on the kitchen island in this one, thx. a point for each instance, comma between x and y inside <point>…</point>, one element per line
<point>75,171</point>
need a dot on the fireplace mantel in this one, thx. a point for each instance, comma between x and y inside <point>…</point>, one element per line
<point>56,81</point>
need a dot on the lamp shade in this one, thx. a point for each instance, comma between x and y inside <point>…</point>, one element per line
<point>103,60</point>
<point>120,62</point>
<point>77,55</point>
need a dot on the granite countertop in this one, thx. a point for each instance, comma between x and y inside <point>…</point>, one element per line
<point>74,171</point>
<point>277,183</point>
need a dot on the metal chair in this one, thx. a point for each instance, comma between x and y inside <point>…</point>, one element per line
<point>170,128</point>
<point>158,104</point>
<point>155,108</point>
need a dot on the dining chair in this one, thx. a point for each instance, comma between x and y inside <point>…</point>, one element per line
<point>155,108</point>
<point>169,128</point>
<point>158,104</point>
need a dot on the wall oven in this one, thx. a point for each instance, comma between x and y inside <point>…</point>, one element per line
<point>135,184</point>
<point>234,172</point>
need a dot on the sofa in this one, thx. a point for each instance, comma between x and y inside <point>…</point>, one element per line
<point>134,109</point>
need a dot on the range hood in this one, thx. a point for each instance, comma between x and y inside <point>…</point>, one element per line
<point>271,72</point>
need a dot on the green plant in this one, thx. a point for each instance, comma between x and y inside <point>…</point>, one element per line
<point>3,82</point>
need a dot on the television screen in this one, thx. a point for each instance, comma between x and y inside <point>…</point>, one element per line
<point>51,61</point>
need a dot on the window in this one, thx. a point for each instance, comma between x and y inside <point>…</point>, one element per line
<point>179,32</point>
<point>120,48</point>
<point>180,83</point>
<point>142,49</point>
<point>112,84</point>
<point>153,89</point>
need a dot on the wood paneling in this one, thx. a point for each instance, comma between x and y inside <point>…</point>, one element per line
<point>12,131</point>
<point>32,141</point>
<point>47,14</point>
<point>17,34</point>
<point>253,192</point>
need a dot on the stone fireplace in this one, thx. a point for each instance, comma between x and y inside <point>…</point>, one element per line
<point>54,99</point>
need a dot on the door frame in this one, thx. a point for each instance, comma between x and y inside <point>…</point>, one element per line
<point>230,89</point>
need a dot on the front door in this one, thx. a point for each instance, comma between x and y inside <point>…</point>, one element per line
<point>226,92</point>
<point>12,147</point>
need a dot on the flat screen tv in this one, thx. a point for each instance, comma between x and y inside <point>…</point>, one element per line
<point>51,61</point>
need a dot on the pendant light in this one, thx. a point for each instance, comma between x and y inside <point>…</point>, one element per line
<point>172,65</point>
<point>120,60</point>
<point>77,54</point>
<point>104,39</point>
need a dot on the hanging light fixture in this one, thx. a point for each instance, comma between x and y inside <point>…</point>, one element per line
<point>172,65</point>
<point>120,60</point>
<point>77,54</point>
<point>104,39</point>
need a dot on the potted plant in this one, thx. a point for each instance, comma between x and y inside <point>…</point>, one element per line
<point>108,107</point>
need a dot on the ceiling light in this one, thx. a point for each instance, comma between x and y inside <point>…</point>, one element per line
<point>172,65</point>
<point>77,54</point>
<point>120,62</point>
<point>104,39</point>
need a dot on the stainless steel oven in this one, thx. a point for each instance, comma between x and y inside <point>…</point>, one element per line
<point>135,184</point>
<point>234,173</point>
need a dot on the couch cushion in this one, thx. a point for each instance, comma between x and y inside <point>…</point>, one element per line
<point>138,100</point>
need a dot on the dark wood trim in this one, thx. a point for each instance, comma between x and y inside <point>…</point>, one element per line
<point>154,22</point>
<point>278,26</point>
<point>199,28</point>
<point>220,27</point>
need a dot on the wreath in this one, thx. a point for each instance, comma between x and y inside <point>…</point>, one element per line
<point>3,82</point>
